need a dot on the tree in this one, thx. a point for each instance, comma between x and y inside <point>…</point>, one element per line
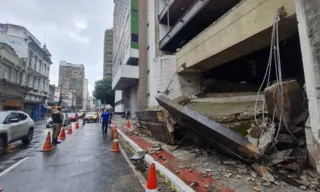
<point>103,91</point>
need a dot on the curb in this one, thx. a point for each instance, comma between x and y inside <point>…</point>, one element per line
<point>140,177</point>
<point>174,181</point>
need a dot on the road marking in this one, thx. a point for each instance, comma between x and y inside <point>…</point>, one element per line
<point>13,166</point>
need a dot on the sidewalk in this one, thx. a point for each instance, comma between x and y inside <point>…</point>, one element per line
<point>192,169</point>
<point>181,177</point>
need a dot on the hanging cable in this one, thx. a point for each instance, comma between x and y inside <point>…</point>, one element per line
<point>274,59</point>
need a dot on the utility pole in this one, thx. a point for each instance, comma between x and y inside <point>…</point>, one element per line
<point>309,32</point>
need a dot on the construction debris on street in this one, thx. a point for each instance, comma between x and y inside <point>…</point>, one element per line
<point>268,134</point>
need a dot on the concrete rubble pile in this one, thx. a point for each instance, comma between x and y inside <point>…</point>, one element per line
<point>272,139</point>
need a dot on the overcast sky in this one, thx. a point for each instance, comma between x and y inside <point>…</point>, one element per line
<point>74,30</point>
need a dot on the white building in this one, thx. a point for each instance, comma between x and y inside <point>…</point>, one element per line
<point>162,73</point>
<point>125,70</point>
<point>91,104</point>
<point>36,69</point>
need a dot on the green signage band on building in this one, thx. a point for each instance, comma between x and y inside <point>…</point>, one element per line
<point>135,4</point>
<point>134,24</point>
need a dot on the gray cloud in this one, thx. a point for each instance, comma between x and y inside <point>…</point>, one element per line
<point>74,30</point>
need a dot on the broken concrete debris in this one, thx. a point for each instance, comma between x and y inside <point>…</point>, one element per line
<point>266,138</point>
<point>229,162</point>
<point>303,187</point>
<point>271,137</point>
<point>278,157</point>
<point>194,184</point>
<point>263,172</point>
<point>155,149</point>
<point>228,175</point>
<point>139,155</point>
<point>293,106</point>
<point>253,174</point>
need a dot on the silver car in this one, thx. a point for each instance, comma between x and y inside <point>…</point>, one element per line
<point>14,126</point>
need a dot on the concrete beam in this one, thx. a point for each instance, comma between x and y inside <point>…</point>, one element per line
<point>143,57</point>
<point>183,21</point>
<point>309,33</point>
<point>126,76</point>
<point>244,29</point>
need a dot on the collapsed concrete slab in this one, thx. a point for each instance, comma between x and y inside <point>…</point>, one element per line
<point>156,124</point>
<point>222,137</point>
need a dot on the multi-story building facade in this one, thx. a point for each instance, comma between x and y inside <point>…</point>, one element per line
<point>222,49</point>
<point>71,79</point>
<point>125,70</point>
<point>194,44</point>
<point>35,61</point>
<point>52,89</point>
<point>85,94</point>
<point>12,86</point>
<point>107,55</point>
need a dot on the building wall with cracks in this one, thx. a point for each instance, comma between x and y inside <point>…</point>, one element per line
<point>238,39</point>
<point>309,18</point>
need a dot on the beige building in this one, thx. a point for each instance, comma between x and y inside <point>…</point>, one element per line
<point>71,77</point>
<point>225,53</point>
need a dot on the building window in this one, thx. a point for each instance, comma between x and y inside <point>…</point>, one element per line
<point>7,75</point>
<point>20,79</point>
<point>30,58</point>
<point>30,80</point>
<point>134,38</point>
<point>14,76</point>
<point>36,63</point>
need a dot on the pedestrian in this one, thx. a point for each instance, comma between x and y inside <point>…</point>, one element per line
<point>83,117</point>
<point>105,121</point>
<point>128,115</point>
<point>57,118</point>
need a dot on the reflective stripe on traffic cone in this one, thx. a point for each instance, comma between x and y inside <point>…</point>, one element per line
<point>152,180</point>
<point>77,125</point>
<point>47,146</point>
<point>70,130</point>
<point>128,124</point>
<point>115,144</point>
<point>62,135</point>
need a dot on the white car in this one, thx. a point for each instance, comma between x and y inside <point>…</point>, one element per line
<point>14,126</point>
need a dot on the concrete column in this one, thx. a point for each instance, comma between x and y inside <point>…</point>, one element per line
<point>143,60</point>
<point>309,30</point>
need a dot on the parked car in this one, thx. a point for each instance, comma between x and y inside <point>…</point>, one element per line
<point>73,117</point>
<point>65,122</point>
<point>92,116</point>
<point>14,126</point>
<point>49,122</point>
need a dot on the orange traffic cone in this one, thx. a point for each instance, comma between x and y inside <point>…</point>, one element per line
<point>62,135</point>
<point>115,144</point>
<point>114,131</point>
<point>70,130</point>
<point>47,145</point>
<point>128,124</point>
<point>152,179</point>
<point>77,125</point>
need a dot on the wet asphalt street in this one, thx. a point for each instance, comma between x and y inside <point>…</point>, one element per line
<point>83,162</point>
